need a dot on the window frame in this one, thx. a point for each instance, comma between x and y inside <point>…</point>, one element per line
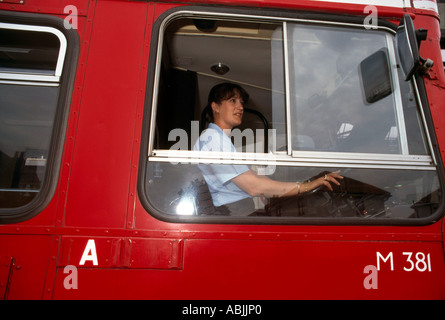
<point>55,77</point>
<point>62,77</point>
<point>403,161</point>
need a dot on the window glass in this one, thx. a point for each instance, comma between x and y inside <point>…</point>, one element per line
<point>180,190</point>
<point>28,51</point>
<point>334,110</point>
<point>413,119</point>
<point>329,112</point>
<point>323,100</point>
<point>26,116</point>
<point>186,77</point>
<point>27,111</point>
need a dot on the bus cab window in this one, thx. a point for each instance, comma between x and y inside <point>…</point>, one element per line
<point>316,109</point>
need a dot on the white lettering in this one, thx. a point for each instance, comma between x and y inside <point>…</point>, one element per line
<point>371,280</point>
<point>370,21</point>
<point>89,254</point>
<point>70,281</point>
<point>243,310</point>
<point>409,261</point>
<point>182,144</point>
<point>70,21</point>
<point>199,310</point>
<point>389,256</point>
<point>254,143</point>
<point>422,264</point>
<point>238,136</point>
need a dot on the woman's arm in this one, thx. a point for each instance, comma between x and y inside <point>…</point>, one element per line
<point>256,185</point>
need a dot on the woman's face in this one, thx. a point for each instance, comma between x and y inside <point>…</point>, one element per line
<point>229,113</point>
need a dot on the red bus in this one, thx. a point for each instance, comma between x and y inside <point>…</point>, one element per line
<point>103,195</point>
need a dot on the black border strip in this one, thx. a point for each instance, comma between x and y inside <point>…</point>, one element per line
<point>283,14</point>
<point>66,84</point>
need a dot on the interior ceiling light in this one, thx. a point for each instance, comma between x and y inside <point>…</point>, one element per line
<point>220,68</point>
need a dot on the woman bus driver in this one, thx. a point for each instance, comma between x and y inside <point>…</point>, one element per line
<point>233,186</point>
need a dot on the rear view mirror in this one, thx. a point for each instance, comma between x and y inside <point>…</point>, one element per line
<point>376,76</point>
<point>407,47</point>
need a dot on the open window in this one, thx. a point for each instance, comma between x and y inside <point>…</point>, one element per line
<point>193,59</point>
<point>323,97</point>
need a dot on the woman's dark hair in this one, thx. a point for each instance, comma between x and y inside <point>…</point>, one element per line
<point>221,92</point>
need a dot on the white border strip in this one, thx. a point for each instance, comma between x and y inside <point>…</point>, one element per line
<point>299,158</point>
<point>426,5</point>
<point>287,89</point>
<point>383,3</point>
<point>417,4</point>
<point>60,59</point>
<point>30,83</point>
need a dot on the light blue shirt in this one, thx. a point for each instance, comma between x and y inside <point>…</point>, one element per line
<point>219,176</point>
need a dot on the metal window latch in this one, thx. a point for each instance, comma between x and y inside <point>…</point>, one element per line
<point>426,65</point>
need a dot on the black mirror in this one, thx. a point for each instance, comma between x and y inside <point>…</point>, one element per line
<point>375,74</point>
<point>407,48</point>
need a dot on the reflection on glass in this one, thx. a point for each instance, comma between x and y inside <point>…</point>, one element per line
<point>28,51</point>
<point>364,193</point>
<point>330,111</point>
<point>26,122</point>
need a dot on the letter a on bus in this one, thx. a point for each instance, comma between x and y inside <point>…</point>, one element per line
<point>370,281</point>
<point>89,254</point>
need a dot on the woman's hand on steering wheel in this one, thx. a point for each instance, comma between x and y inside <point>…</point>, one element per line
<point>325,181</point>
